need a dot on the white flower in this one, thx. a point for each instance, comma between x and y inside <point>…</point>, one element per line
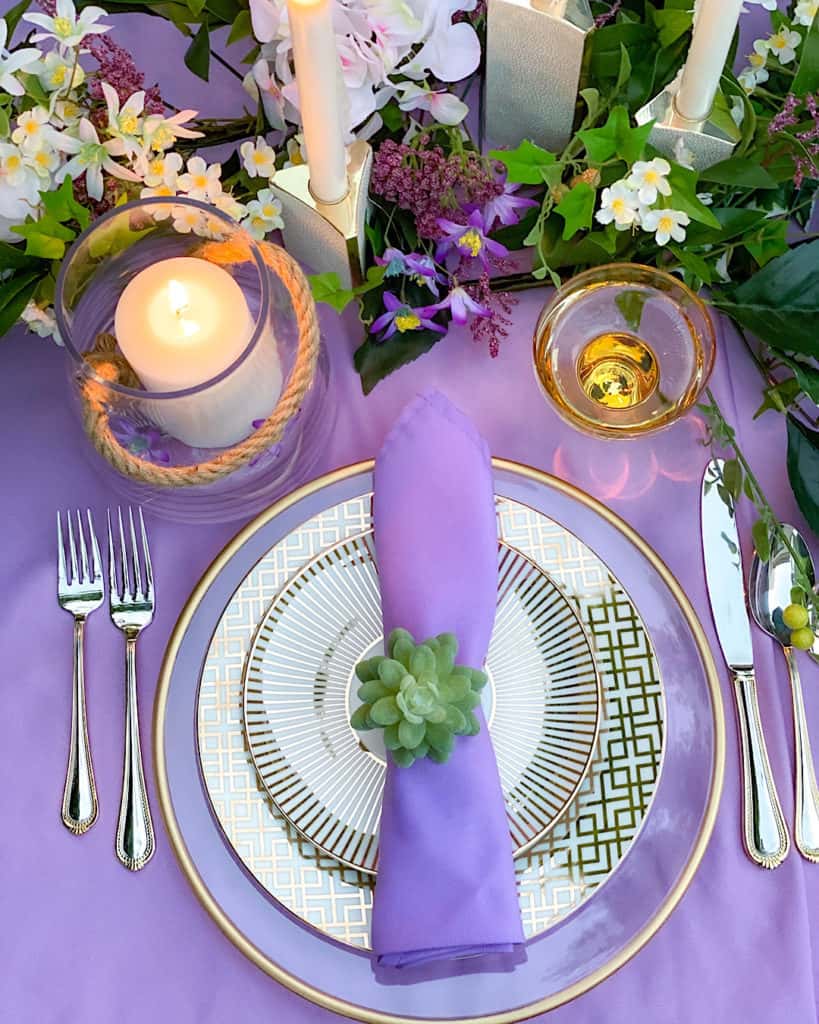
<point>666,224</point>
<point>265,16</point>
<point>160,133</point>
<point>783,45</point>
<point>11,63</point>
<point>66,28</point>
<point>161,169</point>
<point>92,157</point>
<point>296,152</point>
<point>747,79</point>
<point>55,71</point>
<point>201,181</point>
<point>648,178</point>
<point>33,130</point>
<point>258,82</point>
<point>265,207</point>
<point>17,178</point>
<point>444,107</point>
<point>187,219</point>
<point>737,110</point>
<point>619,203</point>
<point>230,206</point>
<point>758,60</point>
<point>15,205</point>
<point>706,198</point>
<point>806,11</point>
<point>259,158</point>
<point>125,122</point>
<point>163,191</point>
<point>66,114</point>
<point>721,267</point>
<point>41,321</point>
<point>44,162</point>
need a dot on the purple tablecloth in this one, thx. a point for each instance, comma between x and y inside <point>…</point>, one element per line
<point>84,941</point>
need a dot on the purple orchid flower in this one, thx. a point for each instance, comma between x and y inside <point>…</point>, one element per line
<point>140,439</point>
<point>403,318</point>
<point>461,304</point>
<point>470,240</point>
<point>505,207</point>
<point>413,265</point>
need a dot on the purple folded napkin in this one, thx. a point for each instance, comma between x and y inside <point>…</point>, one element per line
<point>446,881</point>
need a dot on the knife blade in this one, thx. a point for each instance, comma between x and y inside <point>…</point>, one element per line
<point>764,835</point>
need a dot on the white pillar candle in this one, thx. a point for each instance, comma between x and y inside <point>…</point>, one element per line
<point>714,29</point>
<point>180,323</point>
<point>321,96</point>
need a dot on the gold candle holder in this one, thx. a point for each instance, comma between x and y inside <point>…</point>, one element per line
<point>534,56</point>
<point>706,143</point>
<point>327,236</point>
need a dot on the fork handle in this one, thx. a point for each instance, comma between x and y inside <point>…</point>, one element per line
<point>806,831</point>
<point>79,810</point>
<point>764,834</point>
<point>135,842</point>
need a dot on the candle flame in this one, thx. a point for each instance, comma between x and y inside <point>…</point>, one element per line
<point>178,298</point>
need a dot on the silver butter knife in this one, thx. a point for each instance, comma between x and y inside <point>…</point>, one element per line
<point>764,834</point>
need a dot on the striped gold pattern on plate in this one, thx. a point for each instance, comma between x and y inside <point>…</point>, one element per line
<point>543,700</point>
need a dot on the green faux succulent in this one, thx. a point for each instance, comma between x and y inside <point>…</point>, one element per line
<point>419,697</point>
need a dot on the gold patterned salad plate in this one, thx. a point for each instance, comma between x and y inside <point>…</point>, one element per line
<point>543,702</point>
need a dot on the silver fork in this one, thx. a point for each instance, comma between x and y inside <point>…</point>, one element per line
<point>132,609</point>
<point>80,595</point>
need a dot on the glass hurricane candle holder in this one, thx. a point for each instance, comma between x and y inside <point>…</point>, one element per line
<point>624,350</point>
<point>195,360</point>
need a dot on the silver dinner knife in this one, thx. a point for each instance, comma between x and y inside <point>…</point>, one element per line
<point>764,834</point>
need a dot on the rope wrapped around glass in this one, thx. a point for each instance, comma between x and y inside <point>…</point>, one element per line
<point>195,360</point>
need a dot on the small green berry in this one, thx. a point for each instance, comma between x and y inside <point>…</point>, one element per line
<point>802,639</point>
<point>795,616</point>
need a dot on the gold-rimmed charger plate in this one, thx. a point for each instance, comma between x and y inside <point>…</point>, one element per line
<point>543,701</point>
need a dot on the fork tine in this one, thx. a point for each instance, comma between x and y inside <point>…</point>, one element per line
<point>86,577</point>
<point>72,551</point>
<point>135,557</point>
<point>62,581</point>
<point>95,548</point>
<point>123,551</point>
<point>149,572</point>
<point>112,562</point>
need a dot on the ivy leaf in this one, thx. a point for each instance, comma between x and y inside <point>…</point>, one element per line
<point>241,27</point>
<point>779,397</point>
<point>762,539</point>
<point>780,303</point>
<point>197,56</point>
<point>624,72</point>
<point>807,76</point>
<point>694,264</point>
<point>683,196</point>
<point>375,360</point>
<point>45,237</point>
<point>616,138</point>
<point>803,469</point>
<point>524,164</point>
<point>577,209</point>
<point>768,242</point>
<point>732,478</point>
<point>631,303</point>
<point>14,297</point>
<point>327,288</point>
<point>62,206</point>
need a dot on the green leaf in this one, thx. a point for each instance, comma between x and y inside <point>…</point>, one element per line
<point>807,76</point>
<point>672,24</point>
<point>455,720</point>
<point>372,691</point>
<point>391,672</point>
<point>403,758</point>
<point>422,662</point>
<point>385,712</point>
<point>624,72</point>
<point>241,27</point>
<point>195,7</point>
<point>454,688</point>
<point>807,377</point>
<point>577,209</point>
<point>683,196</point>
<point>739,171</point>
<point>391,738</point>
<point>360,718</point>
<point>367,669</point>
<point>14,296</point>
<point>616,138</point>
<point>780,303</point>
<point>440,738</point>
<point>803,469</point>
<point>762,540</point>
<point>197,56</point>
<point>375,360</point>
<point>393,116</point>
<point>45,237</point>
<point>524,164</point>
<point>630,303</point>
<point>779,397</point>
<point>327,288</point>
<point>695,265</point>
<point>13,16</point>
<point>410,734</point>
<point>12,257</point>
<point>732,478</point>
<point>768,242</point>
<point>62,206</point>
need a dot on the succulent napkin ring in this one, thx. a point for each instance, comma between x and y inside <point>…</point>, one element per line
<point>419,696</point>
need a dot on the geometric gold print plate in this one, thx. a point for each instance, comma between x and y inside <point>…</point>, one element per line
<point>542,703</point>
<point>556,873</point>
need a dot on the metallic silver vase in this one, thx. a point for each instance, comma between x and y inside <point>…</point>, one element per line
<point>534,56</point>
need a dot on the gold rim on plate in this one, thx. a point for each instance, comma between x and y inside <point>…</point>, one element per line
<point>341,1006</point>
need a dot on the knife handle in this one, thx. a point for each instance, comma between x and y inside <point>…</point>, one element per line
<point>764,834</point>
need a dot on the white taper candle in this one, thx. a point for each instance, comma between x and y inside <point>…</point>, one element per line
<point>714,29</point>
<point>321,96</point>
